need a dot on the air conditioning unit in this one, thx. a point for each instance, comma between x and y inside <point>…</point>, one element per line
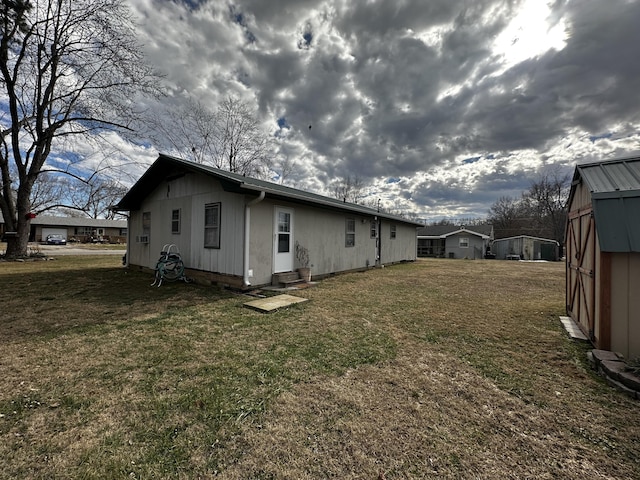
<point>142,239</point>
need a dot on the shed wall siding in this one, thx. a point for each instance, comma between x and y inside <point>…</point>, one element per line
<point>625,304</point>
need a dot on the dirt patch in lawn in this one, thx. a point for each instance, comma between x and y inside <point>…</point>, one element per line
<point>424,415</point>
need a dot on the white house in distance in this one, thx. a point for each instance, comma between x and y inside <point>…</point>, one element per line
<point>454,241</point>
<point>240,231</point>
<point>75,229</point>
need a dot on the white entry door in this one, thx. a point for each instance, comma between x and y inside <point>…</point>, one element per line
<point>283,240</point>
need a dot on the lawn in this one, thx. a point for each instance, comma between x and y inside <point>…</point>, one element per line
<point>435,369</point>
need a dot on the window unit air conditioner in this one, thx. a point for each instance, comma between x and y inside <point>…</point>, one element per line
<point>142,239</point>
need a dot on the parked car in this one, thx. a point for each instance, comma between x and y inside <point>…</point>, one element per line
<point>56,239</point>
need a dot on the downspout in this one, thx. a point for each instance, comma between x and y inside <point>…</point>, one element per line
<point>247,237</point>
<point>127,252</point>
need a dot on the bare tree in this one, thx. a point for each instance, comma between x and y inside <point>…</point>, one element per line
<point>67,68</point>
<point>547,200</point>
<point>230,139</point>
<point>349,189</point>
<point>190,130</point>
<point>506,216</point>
<point>242,144</point>
<point>541,210</point>
<point>286,167</point>
<point>95,198</point>
<point>47,191</point>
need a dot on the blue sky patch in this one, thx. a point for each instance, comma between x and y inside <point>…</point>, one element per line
<point>595,138</point>
<point>471,160</point>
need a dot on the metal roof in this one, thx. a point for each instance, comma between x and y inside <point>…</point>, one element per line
<point>539,239</point>
<point>615,197</point>
<point>443,231</point>
<point>608,179</point>
<point>167,167</point>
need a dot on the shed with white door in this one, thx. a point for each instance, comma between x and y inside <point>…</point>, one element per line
<point>240,231</point>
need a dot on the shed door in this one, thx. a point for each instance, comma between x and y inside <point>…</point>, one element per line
<point>581,270</point>
<point>283,240</point>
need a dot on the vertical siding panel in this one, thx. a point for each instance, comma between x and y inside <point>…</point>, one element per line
<point>633,333</point>
<point>620,303</point>
<point>603,299</point>
<point>261,242</point>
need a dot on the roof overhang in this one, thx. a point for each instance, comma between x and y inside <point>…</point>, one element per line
<point>445,235</point>
<point>614,187</point>
<point>167,168</point>
<point>617,220</point>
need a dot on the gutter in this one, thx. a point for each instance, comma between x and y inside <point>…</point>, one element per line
<point>339,205</point>
<point>247,237</point>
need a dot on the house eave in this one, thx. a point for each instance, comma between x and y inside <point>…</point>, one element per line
<point>235,183</point>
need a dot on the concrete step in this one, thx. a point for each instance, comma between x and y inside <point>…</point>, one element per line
<point>286,279</point>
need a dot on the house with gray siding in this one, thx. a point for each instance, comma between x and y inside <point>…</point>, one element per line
<point>75,229</point>
<point>240,231</point>
<point>454,241</point>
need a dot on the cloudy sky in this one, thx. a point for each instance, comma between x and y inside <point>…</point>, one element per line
<point>440,106</point>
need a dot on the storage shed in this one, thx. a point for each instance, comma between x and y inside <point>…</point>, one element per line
<point>603,254</point>
<point>525,247</point>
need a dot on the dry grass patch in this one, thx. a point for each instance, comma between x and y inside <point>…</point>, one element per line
<point>454,369</point>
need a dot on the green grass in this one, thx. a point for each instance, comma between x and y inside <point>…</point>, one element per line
<point>103,376</point>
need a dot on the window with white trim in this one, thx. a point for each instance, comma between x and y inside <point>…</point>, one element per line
<point>175,221</point>
<point>393,232</point>
<point>146,224</point>
<point>212,225</point>
<point>350,232</point>
<point>464,242</point>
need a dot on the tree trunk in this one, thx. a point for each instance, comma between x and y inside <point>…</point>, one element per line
<point>17,244</point>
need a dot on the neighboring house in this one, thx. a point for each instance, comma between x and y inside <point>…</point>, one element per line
<point>240,231</point>
<point>603,254</point>
<point>452,241</point>
<point>525,247</point>
<point>76,229</point>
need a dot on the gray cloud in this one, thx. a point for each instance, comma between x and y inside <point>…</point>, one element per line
<point>409,89</point>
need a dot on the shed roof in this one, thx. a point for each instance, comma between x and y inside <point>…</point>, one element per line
<point>167,167</point>
<point>615,197</point>
<point>538,239</point>
<point>611,178</point>
<point>443,231</point>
